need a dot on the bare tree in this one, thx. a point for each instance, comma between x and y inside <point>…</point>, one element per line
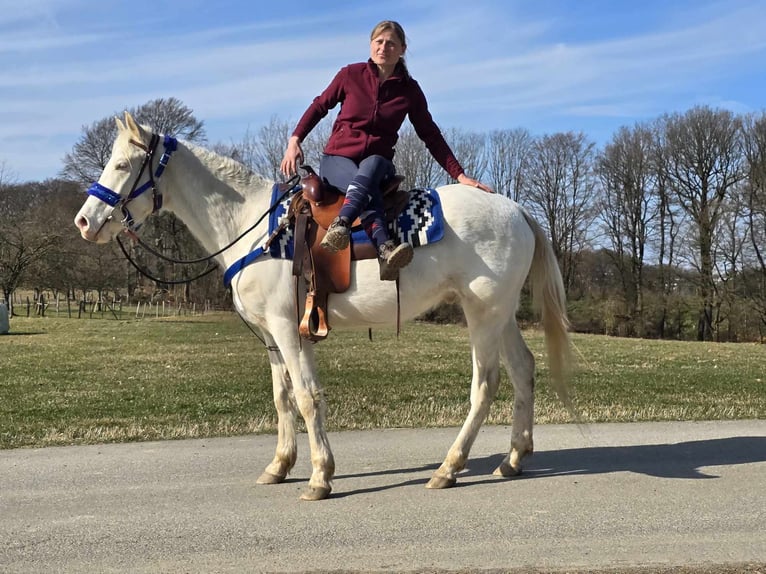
<point>704,154</point>
<point>470,150</point>
<point>669,222</point>
<point>627,206</point>
<point>415,163</point>
<point>314,144</point>
<point>560,190</point>
<point>755,199</point>
<point>171,117</point>
<point>507,158</point>
<point>728,242</point>
<point>24,236</point>
<point>261,151</point>
<point>91,152</point>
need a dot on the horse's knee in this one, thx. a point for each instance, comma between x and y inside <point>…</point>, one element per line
<point>309,403</point>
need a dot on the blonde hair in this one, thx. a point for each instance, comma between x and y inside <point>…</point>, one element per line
<point>397,29</point>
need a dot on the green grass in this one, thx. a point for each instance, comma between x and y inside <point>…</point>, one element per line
<point>69,381</point>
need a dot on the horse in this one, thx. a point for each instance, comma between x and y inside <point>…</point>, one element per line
<point>490,247</point>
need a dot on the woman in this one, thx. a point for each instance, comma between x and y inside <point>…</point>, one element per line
<point>375,98</point>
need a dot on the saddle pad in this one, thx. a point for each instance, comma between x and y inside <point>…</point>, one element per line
<point>421,223</point>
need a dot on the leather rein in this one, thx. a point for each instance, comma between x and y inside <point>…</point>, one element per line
<point>116,201</point>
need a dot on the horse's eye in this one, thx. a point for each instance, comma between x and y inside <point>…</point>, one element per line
<point>122,166</point>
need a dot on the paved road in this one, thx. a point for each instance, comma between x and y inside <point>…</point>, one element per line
<point>615,495</point>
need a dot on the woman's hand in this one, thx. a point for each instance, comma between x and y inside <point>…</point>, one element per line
<point>465,180</point>
<point>293,156</point>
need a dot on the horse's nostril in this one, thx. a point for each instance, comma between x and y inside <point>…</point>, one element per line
<point>81,222</point>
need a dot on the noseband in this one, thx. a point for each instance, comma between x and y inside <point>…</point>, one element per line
<point>115,200</point>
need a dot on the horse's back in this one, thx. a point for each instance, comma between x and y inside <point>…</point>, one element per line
<point>482,260</point>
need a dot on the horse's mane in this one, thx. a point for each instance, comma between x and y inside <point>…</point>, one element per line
<point>224,168</point>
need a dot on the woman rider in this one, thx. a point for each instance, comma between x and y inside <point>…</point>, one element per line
<point>375,98</point>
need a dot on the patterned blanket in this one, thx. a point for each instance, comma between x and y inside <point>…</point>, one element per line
<point>421,223</point>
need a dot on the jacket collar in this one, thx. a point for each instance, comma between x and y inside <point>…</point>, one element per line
<point>399,73</point>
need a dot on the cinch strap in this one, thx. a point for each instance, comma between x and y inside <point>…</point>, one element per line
<point>239,265</point>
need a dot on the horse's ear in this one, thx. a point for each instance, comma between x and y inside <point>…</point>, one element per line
<point>120,126</point>
<point>134,128</point>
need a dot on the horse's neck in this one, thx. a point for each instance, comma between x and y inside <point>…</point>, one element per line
<point>215,201</point>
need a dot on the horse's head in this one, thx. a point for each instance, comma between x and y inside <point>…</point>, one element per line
<point>119,200</point>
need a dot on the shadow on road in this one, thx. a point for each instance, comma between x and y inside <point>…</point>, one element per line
<point>680,460</point>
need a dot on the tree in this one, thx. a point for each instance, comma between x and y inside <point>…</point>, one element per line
<point>627,207</point>
<point>669,223</point>
<point>90,154</point>
<point>507,158</point>
<point>470,150</point>
<point>755,199</point>
<point>560,189</point>
<point>414,162</point>
<point>262,151</point>
<point>704,163</point>
<point>25,237</point>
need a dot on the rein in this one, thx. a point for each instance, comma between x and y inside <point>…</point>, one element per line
<point>115,200</point>
<point>292,188</point>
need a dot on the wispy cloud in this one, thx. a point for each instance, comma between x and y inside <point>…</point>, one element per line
<point>491,64</point>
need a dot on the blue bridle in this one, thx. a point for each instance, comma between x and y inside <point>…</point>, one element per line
<point>115,200</point>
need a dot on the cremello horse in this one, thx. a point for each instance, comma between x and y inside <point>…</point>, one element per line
<point>489,248</point>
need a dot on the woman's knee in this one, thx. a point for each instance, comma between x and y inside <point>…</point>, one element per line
<point>377,168</point>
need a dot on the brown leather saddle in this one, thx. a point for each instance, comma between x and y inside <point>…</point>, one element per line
<point>312,211</point>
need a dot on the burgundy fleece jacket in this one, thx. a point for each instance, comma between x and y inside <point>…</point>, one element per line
<point>371,114</point>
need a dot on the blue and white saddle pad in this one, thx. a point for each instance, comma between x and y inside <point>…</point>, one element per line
<point>421,223</point>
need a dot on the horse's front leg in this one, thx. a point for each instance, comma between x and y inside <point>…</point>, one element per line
<point>301,365</point>
<point>287,447</point>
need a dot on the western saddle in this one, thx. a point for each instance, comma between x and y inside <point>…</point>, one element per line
<point>312,210</point>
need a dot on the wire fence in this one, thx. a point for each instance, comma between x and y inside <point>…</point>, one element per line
<point>102,307</point>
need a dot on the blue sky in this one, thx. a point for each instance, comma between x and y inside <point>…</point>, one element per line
<point>548,65</point>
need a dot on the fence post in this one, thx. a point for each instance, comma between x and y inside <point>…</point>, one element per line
<point>4,322</point>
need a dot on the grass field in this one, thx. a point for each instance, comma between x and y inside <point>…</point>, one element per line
<point>70,381</point>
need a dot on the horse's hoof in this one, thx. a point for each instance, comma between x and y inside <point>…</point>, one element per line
<point>316,493</point>
<point>507,471</point>
<point>440,482</point>
<point>268,478</point>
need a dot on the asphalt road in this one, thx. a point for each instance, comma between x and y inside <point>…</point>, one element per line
<point>613,495</point>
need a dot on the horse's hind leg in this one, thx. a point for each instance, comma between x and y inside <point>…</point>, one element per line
<point>484,384</point>
<point>287,447</point>
<point>520,364</point>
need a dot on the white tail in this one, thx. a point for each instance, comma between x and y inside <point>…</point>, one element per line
<point>550,298</point>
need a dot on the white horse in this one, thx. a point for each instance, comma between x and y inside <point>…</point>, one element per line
<point>490,246</point>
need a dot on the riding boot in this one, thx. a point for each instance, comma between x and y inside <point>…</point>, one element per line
<point>392,258</point>
<point>337,236</point>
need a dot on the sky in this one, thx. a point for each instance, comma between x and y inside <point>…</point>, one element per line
<point>548,66</point>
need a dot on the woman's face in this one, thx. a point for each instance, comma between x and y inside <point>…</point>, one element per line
<point>386,49</point>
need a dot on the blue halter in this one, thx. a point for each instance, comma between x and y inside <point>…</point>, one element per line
<point>115,200</point>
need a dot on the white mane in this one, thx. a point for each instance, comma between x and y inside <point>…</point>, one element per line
<point>224,168</point>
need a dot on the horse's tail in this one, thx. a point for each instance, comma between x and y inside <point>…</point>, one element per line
<point>550,298</point>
